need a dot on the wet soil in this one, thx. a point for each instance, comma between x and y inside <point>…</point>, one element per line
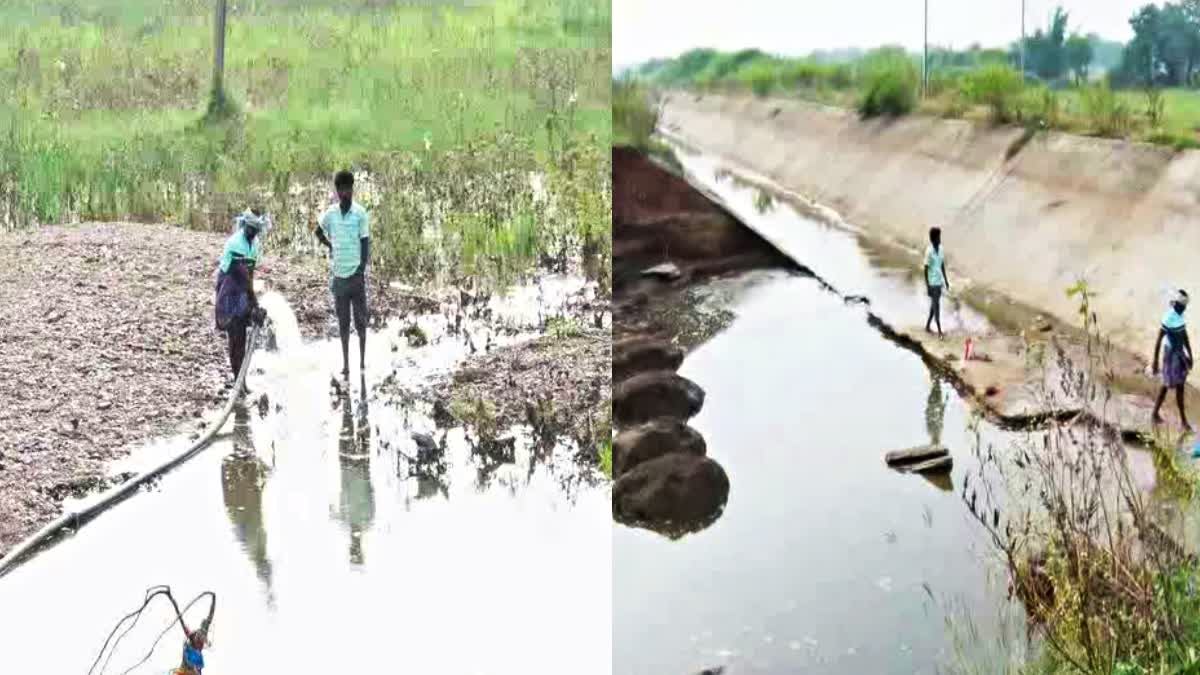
<point>109,342</point>
<point>559,385</point>
<point>659,217</point>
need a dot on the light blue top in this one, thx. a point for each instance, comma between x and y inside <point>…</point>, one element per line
<point>345,231</point>
<point>236,246</point>
<point>934,259</point>
<point>1172,322</point>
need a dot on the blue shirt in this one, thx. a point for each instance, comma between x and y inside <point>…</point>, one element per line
<point>934,259</point>
<point>345,232</point>
<point>236,247</point>
<point>1172,323</point>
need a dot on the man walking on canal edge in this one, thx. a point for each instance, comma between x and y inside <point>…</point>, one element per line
<point>935,278</point>
<point>1177,359</point>
<point>344,229</point>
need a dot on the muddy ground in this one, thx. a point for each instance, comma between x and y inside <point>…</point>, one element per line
<point>561,385</point>
<point>109,343</point>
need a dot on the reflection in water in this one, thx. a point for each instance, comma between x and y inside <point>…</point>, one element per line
<point>935,419</point>
<point>358,495</point>
<point>243,476</point>
<point>935,410</point>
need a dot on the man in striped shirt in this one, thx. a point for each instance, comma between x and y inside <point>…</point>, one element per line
<point>345,229</point>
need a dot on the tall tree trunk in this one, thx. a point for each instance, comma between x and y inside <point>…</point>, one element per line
<point>219,52</point>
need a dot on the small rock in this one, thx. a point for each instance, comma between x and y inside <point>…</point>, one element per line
<point>668,271</point>
<point>654,439</point>
<point>658,394</point>
<point>104,405</point>
<point>673,494</point>
<point>634,355</point>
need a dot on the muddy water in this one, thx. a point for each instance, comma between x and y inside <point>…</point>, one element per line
<point>824,561</point>
<point>330,547</point>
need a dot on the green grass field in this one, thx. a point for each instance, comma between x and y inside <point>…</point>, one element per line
<point>102,116</point>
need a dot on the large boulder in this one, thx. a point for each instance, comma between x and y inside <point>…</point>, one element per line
<point>652,440</point>
<point>674,494</point>
<point>656,394</point>
<point>640,354</point>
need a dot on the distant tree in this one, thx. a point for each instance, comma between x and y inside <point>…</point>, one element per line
<point>1045,49</point>
<point>1079,55</point>
<point>1165,50</point>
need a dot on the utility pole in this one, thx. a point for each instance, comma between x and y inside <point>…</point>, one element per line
<point>925,56</point>
<point>1022,40</point>
<point>219,52</point>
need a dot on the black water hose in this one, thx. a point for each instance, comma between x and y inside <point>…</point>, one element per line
<point>75,519</point>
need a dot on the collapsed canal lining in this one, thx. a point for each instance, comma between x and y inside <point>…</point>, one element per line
<point>1120,215</point>
<point>1022,421</point>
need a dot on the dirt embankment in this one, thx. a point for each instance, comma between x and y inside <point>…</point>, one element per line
<point>1024,217</point>
<point>108,343</point>
<point>666,236</point>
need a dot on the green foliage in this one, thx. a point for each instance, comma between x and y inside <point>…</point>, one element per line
<point>1107,588</point>
<point>997,87</point>
<point>1045,50</point>
<point>751,70</point>
<point>477,413</point>
<point>561,328</point>
<point>946,81</point>
<point>634,118</point>
<point>445,112</point>
<point>1165,50</point>
<point>606,457</point>
<point>760,76</point>
<point>890,81</point>
<point>1155,106</point>
<point>1107,114</point>
<point>1040,108</point>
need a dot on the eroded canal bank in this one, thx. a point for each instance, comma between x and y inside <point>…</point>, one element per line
<point>822,560</point>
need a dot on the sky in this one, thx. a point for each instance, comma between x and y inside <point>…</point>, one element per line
<point>645,29</point>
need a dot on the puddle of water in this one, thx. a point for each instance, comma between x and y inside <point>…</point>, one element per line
<point>328,548</point>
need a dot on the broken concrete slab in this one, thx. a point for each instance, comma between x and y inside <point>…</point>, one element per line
<point>910,456</point>
<point>941,464</point>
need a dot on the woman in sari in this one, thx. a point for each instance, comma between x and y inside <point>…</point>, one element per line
<point>1177,358</point>
<point>236,302</point>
